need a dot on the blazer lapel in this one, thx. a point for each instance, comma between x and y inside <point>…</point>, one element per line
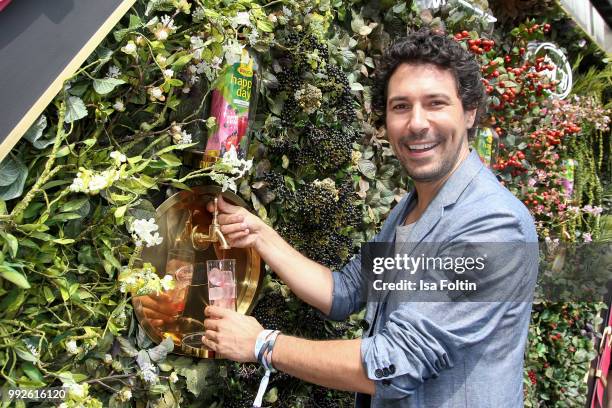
<point>448,194</point>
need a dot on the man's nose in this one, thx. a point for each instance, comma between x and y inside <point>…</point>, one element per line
<point>418,123</point>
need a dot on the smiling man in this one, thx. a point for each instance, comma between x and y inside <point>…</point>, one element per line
<point>412,353</point>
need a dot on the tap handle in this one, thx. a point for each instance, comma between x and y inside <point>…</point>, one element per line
<point>216,211</point>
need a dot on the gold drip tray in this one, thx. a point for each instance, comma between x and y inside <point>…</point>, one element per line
<point>186,210</point>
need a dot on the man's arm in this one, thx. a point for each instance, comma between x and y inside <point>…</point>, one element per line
<point>333,363</point>
<point>307,279</point>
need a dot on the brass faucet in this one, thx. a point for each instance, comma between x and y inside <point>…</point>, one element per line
<point>201,241</point>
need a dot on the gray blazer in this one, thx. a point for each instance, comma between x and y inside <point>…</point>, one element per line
<point>448,354</point>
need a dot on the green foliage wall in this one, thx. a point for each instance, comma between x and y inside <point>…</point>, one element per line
<point>78,190</point>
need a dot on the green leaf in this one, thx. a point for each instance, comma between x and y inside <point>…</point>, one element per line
<point>64,241</point>
<point>73,205</point>
<point>106,85</point>
<point>35,132</point>
<point>171,160</point>
<point>127,347</point>
<point>120,211</point>
<point>265,26</point>
<point>196,376</point>
<point>12,243</point>
<point>31,371</point>
<point>75,109</point>
<point>398,8</point>
<point>356,86</point>
<point>357,23</point>
<point>14,170</point>
<point>367,168</point>
<point>159,353</point>
<point>66,217</point>
<point>24,354</point>
<point>271,396</point>
<point>10,274</point>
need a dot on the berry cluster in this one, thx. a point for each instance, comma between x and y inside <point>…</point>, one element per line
<point>271,312</point>
<point>325,147</point>
<point>476,45</point>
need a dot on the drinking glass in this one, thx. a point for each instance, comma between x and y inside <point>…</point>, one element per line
<point>222,283</point>
<point>179,265</point>
<point>221,278</point>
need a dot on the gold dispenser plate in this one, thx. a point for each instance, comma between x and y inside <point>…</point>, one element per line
<point>177,217</point>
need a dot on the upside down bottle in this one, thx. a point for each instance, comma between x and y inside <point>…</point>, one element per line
<point>234,103</point>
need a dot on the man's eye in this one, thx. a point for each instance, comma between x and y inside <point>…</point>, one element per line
<point>400,106</point>
<point>437,103</point>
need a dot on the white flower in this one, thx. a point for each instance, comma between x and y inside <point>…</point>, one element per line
<point>118,156</point>
<point>149,373</point>
<point>199,14</point>
<point>232,51</point>
<point>98,182</point>
<point>108,359</point>
<point>253,37</point>
<point>186,90</point>
<point>113,72</point>
<point>167,282</point>
<point>145,231</point>
<point>197,45</point>
<point>192,69</point>
<point>118,105</point>
<point>173,377</point>
<point>130,48</point>
<point>216,62</point>
<point>155,93</point>
<point>125,394</point>
<point>168,73</point>
<point>241,18</point>
<point>78,185</point>
<point>185,137</point>
<point>161,59</point>
<point>168,22</point>
<point>32,350</point>
<point>71,347</point>
<point>77,391</point>
<point>592,210</point>
<point>287,12</point>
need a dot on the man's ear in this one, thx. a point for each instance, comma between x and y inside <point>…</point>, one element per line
<point>469,117</point>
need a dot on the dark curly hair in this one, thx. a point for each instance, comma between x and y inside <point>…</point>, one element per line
<point>432,47</point>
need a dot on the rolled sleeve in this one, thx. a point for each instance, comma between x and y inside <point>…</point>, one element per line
<point>348,294</point>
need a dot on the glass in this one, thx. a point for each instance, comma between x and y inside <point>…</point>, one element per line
<point>221,282</point>
<point>179,265</point>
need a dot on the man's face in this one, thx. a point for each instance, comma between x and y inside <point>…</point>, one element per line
<point>426,123</point>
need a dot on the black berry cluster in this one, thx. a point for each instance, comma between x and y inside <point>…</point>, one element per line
<point>272,313</point>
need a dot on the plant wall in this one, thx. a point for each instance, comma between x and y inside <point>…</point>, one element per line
<point>78,193</point>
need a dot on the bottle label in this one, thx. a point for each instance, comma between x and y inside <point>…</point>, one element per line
<point>230,106</point>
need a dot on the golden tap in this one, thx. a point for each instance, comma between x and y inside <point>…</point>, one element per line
<point>201,241</point>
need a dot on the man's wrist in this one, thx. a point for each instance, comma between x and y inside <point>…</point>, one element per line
<point>266,237</point>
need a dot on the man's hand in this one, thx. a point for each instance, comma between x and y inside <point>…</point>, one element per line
<point>158,309</point>
<point>231,334</point>
<point>241,228</point>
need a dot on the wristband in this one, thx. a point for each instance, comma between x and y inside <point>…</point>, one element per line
<point>263,353</point>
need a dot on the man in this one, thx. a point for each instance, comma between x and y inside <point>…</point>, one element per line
<point>412,354</point>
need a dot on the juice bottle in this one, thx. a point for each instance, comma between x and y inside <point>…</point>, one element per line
<point>234,102</point>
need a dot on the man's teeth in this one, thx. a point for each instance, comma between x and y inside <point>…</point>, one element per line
<point>421,146</point>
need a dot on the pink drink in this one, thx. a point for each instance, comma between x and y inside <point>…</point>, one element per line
<point>222,283</point>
